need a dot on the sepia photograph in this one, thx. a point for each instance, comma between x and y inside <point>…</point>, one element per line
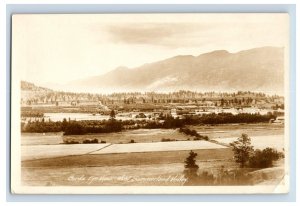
<point>162,103</point>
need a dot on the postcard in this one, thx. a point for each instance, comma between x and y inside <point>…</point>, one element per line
<point>162,103</point>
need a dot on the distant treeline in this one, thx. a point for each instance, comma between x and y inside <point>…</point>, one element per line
<point>73,127</point>
<point>31,114</point>
<point>112,125</point>
<point>222,118</point>
<point>225,118</point>
<point>49,96</point>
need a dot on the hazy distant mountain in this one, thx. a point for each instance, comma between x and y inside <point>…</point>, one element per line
<point>30,90</point>
<point>30,87</point>
<point>259,69</point>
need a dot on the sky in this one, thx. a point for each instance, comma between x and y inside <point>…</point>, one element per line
<point>56,49</point>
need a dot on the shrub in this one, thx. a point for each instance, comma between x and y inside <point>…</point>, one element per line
<point>71,142</point>
<point>87,141</point>
<point>94,141</point>
<point>167,140</point>
<point>193,133</point>
<point>132,141</point>
<point>205,178</point>
<point>264,158</point>
<point>236,176</point>
<point>247,157</point>
<point>201,138</point>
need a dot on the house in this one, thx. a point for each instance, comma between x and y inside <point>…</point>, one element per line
<point>173,113</point>
<point>279,120</point>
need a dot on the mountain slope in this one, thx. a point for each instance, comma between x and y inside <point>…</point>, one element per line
<point>30,87</point>
<point>259,69</point>
<point>30,90</point>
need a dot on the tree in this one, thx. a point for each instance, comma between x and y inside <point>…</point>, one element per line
<point>222,102</point>
<point>64,124</point>
<point>242,149</point>
<point>191,172</point>
<point>191,167</point>
<point>112,114</point>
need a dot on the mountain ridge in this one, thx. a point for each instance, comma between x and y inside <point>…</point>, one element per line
<point>257,69</point>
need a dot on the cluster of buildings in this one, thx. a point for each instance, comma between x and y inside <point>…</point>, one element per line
<point>176,104</point>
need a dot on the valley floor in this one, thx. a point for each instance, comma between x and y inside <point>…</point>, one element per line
<point>147,162</point>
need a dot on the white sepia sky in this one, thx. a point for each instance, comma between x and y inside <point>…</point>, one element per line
<point>59,48</point>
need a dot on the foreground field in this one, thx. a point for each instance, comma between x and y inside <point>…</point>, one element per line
<point>127,169</point>
<point>115,169</point>
<point>38,151</point>
<point>92,160</point>
<point>170,174</point>
<point>46,161</point>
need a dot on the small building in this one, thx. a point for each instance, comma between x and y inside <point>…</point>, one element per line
<point>173,113</point>
<point>279,120</point>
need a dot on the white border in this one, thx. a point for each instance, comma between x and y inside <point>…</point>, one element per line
<point>17,188</point>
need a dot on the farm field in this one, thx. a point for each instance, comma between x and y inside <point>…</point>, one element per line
<point>139,135</point>
<point>156,135</point>
<point>121,169</point>
<point>112,168</point>
<point>235,130</point>
<point>49,151</point>
<point>158,147</point>
<point>260,142</point>
<point>114,175</point>
<point>103,160</point>
<point>38,151</point>
<point>46,161</point>
<point>41,139</point>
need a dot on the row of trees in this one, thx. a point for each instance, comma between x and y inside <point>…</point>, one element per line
<point>73,127</point>
<point>67,96</point>
<point>222,118</point>
<point>49,96</point>
<point>31,113</point>
<point>113,125</point>
<point>225,118</point>
<point>193,133</point>
<point>77,128</point>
